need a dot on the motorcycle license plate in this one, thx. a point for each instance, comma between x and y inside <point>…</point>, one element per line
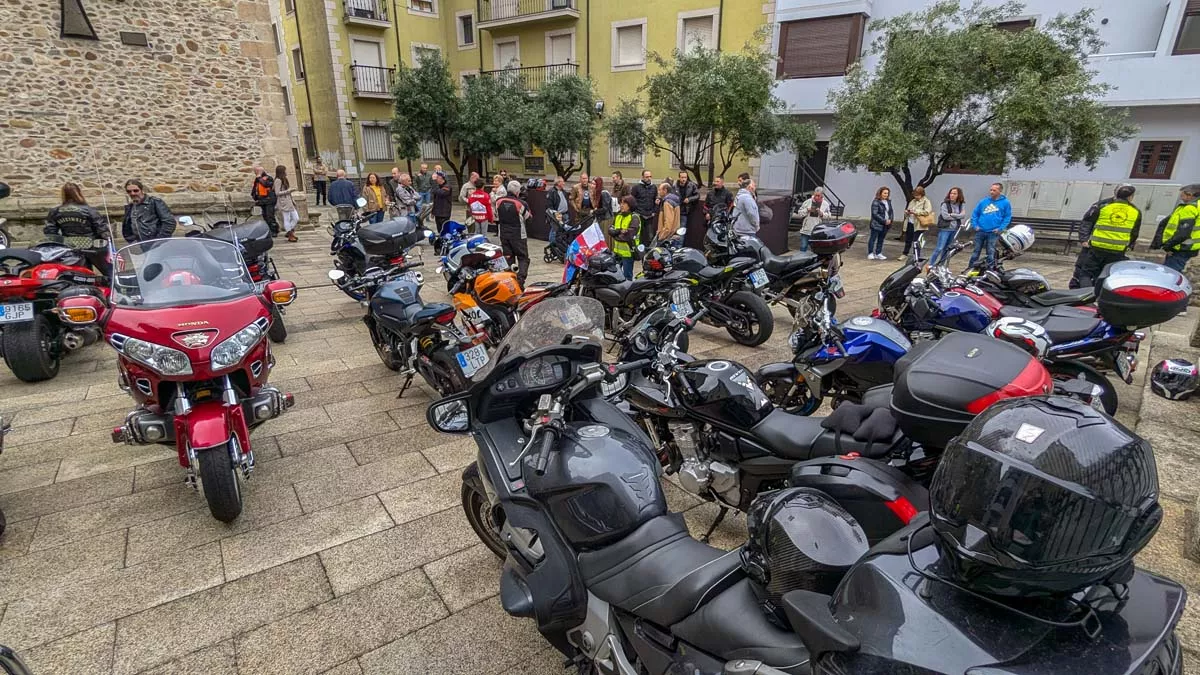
<point>16,312</point>
<point>475,315</point>
<point>758,278</point>
<point>471,360</point>
<point>835,287</point>
<point>681,309</point>
<point>500,264</point>
<point>1124,364</point>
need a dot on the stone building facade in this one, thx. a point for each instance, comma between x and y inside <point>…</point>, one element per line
<point>183,95</point>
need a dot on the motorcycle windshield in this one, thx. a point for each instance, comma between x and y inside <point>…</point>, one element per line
<point>549,323</point>
<point>183,271</point>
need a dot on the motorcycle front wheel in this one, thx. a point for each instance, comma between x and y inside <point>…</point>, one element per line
<point>479,512</point>
<point>278,331</point>
<point>794,397</point>
<point>387,352</point>
<point>1062,371</point>
<point>222,489</point>
<point>5,240</point>
<point>758,322</point>
<point>29,350</point>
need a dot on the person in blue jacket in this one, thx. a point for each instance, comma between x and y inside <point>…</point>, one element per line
<point>991,216</point>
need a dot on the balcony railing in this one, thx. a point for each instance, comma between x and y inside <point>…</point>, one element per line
<point>501,12</point>
<point>370,12</point>
<point>533,77</point>
<point>372,81</point>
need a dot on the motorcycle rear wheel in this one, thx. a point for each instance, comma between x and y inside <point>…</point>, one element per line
<point>222,489</point>
<point>761,323</point>
<point>5,240</point>
<point>1062,371</point>
<point>278,331</point>
<point>479,512</point>
<point>27,350</point>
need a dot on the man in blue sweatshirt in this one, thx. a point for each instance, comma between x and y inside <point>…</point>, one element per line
<point>991,215</point>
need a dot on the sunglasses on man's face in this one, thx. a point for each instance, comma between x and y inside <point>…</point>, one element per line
<point>133,191</point>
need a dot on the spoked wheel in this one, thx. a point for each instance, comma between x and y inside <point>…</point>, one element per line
<point>1064,371</point>
<point>479,512</point>
<point>757,322</point>
<point>794,397</point>
<point>222,486</point>
<point>29,349</point>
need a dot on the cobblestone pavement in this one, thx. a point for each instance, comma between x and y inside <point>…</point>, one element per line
<point>352,555</point>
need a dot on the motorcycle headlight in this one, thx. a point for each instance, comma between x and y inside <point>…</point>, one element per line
<point>234,349</point>
<point>156,357</point>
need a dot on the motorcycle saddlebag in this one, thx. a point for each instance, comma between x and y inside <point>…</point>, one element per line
<point>832,237</point>
<point>941,386</point>
<point>253,235</point>
<point>1132,293</point>
<point>390,237</point>
<point>880,497</point>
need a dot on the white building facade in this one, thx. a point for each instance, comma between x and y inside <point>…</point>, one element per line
<point>1152,59</point>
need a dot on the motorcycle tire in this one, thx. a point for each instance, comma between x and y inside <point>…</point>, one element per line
<point>219,478</point>
<point>278,331</point>
<point>389,357</point>
<point>3,523</point>
<point>1069,370</point>
<point>27,350</point>
<point>762,321</point>
<point>5,240</point>
<point>779,390</point>
<point>479,512</point>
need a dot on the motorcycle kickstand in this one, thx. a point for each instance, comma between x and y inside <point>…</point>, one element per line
<point>717,521</point>
<point>407,381</point>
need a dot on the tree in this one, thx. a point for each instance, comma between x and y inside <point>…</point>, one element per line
<point>494,117</point>
<point>562,121</point>
<point>953,89</point>
<point>703,102</point>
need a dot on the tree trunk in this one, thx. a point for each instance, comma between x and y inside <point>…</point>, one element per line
<point>903,177</point>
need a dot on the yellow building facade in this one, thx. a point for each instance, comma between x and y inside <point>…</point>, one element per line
<point>341,56</point>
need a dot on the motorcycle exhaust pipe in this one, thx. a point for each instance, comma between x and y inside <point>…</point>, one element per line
<point>77,339</point>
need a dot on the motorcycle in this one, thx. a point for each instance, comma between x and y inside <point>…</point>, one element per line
<point>485,291</point>
<point>626,301</point>
<point>5,239</point>
<point>33,335</point>
<point>254,239</point>
<point>190,330</point>
<point>1021,287</point>
<point>359,247</point>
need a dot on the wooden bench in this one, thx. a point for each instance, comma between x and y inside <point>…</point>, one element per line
<point>1066,230</point>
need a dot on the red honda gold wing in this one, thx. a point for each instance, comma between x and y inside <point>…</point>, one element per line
<point>191,329</point>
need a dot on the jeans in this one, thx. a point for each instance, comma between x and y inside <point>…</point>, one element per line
<point>875,243</point>
<point>425,197</point>
<point>627,265</point>
<point>942,251</point>
<point>376,217</point>
<point>1177,261</point>
<point>985,240</point>
<point>910,235</point>
<point>321,187</point>
<point>804,242</point>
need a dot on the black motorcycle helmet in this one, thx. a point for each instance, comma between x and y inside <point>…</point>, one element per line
<point>800,539</point>
<point>1175,379</point>
<point>656,262</point>
<point>1043,496</point>
<point>688,260</point>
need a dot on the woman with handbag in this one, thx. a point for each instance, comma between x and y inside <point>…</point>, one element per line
<point>625,227</point>
<point>919,217</point>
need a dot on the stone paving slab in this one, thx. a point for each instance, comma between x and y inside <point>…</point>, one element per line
<point>352,556</point>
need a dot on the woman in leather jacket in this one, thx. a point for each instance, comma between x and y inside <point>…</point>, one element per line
<point>73,221</point>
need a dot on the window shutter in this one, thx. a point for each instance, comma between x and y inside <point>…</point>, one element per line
<point>822,47</point>
<point>377,143</point>
<point>1193,7</point>
<point>697,30</point>
<point>629,45</point>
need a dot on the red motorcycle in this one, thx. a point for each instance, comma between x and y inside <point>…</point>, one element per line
<point>33,337</point>
<point>191,332</point>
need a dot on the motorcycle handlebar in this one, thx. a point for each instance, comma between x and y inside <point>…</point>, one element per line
<point>549,436</point>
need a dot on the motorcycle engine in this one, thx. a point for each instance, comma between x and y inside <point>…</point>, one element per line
<point>697,473</point>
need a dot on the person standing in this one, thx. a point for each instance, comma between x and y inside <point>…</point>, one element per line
<point>669,213</point>
<point>1177,232</point>
<point>881,220</point>
<point>814,209</point>
<point>511,215</point>
<point>1108,229</point>
<point>918,216</point>
<point>689,195</point>
<point>441,196</point>
<point>74,218</point>
<point>951,216</point>
<point>719,200</point>
<point>423,182</point>
<point>405,197</point>
<point>146,217</point>
<point>620,189</point>
<point>479,206</point>
<point>263,194</point>
<point>581,198</point>
<point>376,200</point>
<point>286,204</point>
<point>465,191</point>
<point>342,191</point>
<point>558,204</point>
<point>320,178</point>
<point>745,208</point>
<point>991,215</point>
<point>625,227</point>
<point>646,194</point>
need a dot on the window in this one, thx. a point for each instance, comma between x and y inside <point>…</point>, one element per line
<point>421,51</point>
<point>510,156</point>
<point>467,76</point>
<point>822,47</point>
<point>429,150</point>
<point>298,63</point>
<point>1016,25</point>
<point>618,158</point>
<point>466,29</point>
<point>287,101</point>
<point>275,36</point>
<point>506,53</point>
<point>560,48</point>
<point>289,6</point>
<point>1155,160</point>
<point>310,141</point>
<point>377,142</point>
<point>423,7</point>
<point>697,29</point>
<point>1188,41</point>
<point>687,147</point>
<point>629,45</point>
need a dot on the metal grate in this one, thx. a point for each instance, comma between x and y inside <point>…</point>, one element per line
<point>377,143</point>
<point>618,157</point>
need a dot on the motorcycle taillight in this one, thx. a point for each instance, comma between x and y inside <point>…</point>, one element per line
<point>446,317</point>
<point>397,260</point>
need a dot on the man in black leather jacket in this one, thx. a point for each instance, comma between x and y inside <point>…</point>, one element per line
<point>146,217</point>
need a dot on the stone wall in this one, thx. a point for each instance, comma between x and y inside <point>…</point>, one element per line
<point>189,114</point>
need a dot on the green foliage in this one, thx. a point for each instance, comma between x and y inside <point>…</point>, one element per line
<point>493,114</point>
<point>953,89</point>
<point>562,119</point>
<point>724,99</point>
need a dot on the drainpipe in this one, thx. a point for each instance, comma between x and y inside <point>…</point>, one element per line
<point>587,69</point>
<point>712,154</point>
<point>312,120</point>
<point>399,60</point>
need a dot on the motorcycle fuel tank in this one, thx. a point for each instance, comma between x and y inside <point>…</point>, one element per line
<point>1025,280</point>
<point>393,300</point>
<point>868,339</point>
<point>961,313</point>
<point>600,485</point>
<point>724,391</point>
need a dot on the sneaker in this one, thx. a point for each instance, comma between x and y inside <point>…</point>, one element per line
<point>881,257</point>
<point>870,256</point>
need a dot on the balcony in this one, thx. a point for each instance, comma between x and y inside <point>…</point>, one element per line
<point>497,13</point>
<point>531,78</point>
<point>367,13</point>
<point>372,81</point>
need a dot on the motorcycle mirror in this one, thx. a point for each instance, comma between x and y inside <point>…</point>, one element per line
<point>336,275</point>
<point>186,221</point>
<point>360,202</point>
<point>281,292</point>
<point>641,248</point>
<point>450,415</point>
<point>80,310</point>
<point>429,235</point>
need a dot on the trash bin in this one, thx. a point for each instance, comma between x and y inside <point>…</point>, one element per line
<point>538,226</point>
<point>774,232</point>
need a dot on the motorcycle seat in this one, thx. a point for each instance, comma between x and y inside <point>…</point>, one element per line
<point>709,272</point>
<point>734,626</point>
<point>659,572</point>
<point>785,265</point>
<point>427,312</point>
<point>31,258</point>
<point>1062,324</point>
<point>1073,296</point>
<point>871,432</point>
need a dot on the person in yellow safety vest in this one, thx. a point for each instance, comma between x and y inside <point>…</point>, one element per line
<point>1108,229</point>
<point>1176,236</point>
<point>625,227</point>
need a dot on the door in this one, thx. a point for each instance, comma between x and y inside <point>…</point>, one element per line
<point>558,49</point>
<point>366,53</point>
<point>368,72</point>
<point>508,55</point>
<point>810,173</point>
